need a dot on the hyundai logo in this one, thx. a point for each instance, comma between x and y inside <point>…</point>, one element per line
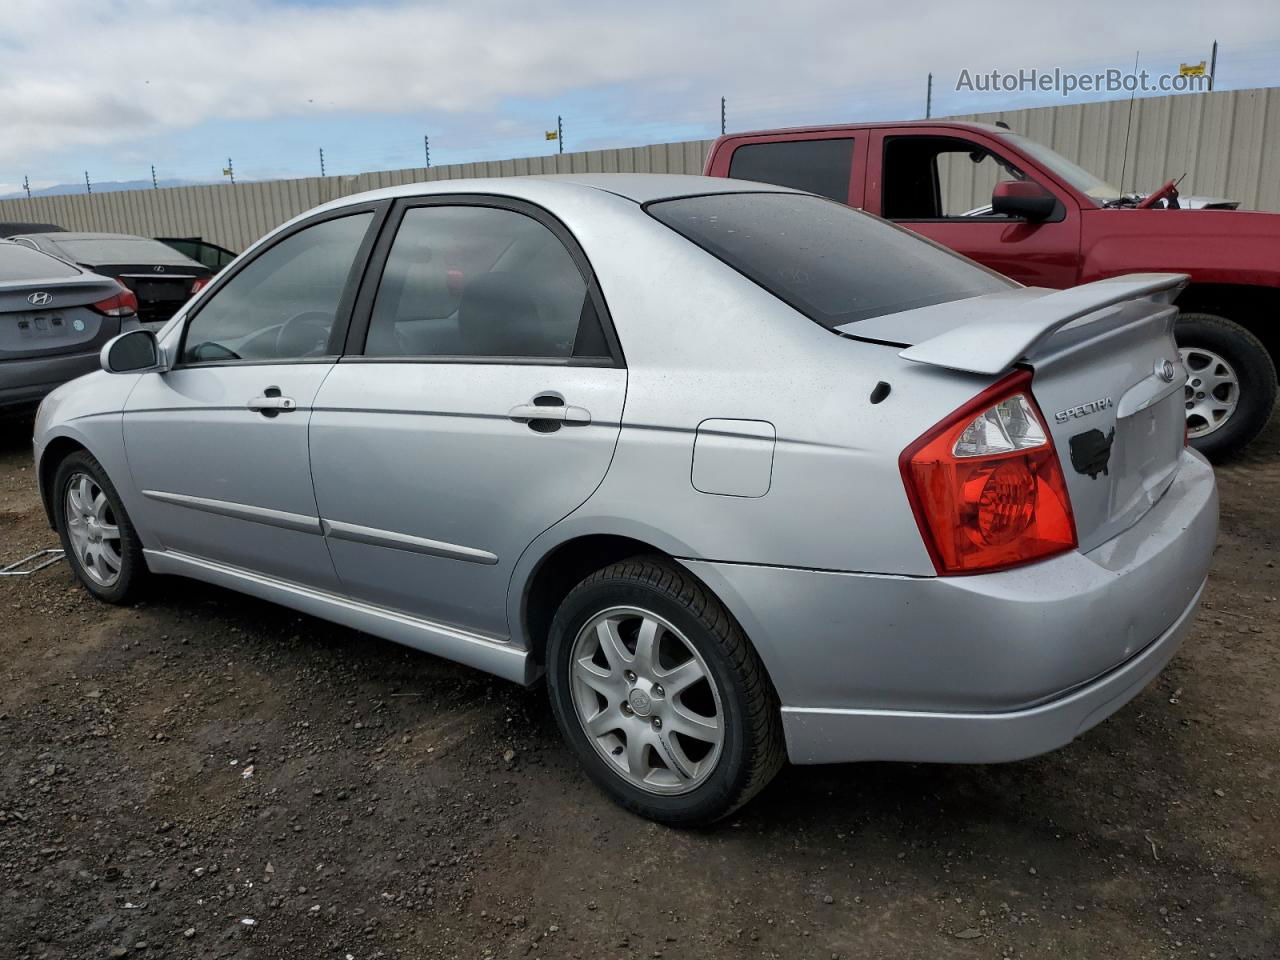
<point>40,299</point>
<point>159,269</point>
<point>1165,370</point>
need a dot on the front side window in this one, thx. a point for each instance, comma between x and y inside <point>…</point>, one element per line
<point>814,166</point>
<point>938,178</point>
<point>472,281</point>
<point>283,304</point>
<point>833,264</point>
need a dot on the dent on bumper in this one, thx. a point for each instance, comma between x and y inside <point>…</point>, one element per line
<point>981,668</point>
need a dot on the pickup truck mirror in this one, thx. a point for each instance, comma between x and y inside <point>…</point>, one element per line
<point>1023,199</point>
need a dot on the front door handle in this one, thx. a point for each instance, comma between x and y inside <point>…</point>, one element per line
<point>270,406</point>
<point>551,411</point>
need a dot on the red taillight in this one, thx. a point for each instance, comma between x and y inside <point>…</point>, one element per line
<point>986,486</point>
<point>123,304</point>
<point>198,284</point>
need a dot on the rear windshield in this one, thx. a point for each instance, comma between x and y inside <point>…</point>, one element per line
<point>118,250</point>
<point>833,264</point>
<point>18,262</point>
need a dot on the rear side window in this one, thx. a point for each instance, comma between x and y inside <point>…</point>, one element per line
<point>814,166</point>
<point>833,264</point>
<point>472,281</point>
<point>18,262</point>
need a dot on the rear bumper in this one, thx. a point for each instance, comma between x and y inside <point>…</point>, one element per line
<point>820,735</point>
<point>983,668</point>
<point>26,382</point>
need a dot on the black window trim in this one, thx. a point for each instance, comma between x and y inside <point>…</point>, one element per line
<point>362,312</point>
<point>342,317</point>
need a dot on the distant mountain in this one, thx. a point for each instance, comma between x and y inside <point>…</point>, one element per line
<point>106,186</point>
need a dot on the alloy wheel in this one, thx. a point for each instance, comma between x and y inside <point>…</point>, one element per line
<point>646,700</point>
<point>1212,390</point>
<point>92,530</point>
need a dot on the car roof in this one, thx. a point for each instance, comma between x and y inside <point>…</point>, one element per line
<point>67,235</point>
<point>878,124</point>
<point>10,228</point>
<point>639,187</point>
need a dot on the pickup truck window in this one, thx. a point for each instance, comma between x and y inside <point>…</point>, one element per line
<point>832,264</point>
<point>937,178</point>
<point>814,166</point>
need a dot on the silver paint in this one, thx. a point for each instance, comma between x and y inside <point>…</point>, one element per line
<point>416,473</point>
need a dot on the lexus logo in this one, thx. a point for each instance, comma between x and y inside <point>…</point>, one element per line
<point>159,269</point>
<point>1165,370</point>
<point>40,299</point>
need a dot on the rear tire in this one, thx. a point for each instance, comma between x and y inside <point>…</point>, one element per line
<point>1231,383</point>
<point>683,754</point>
<point>97,535</point>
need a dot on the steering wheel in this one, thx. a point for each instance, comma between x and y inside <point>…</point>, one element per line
<point>304,335</point>
<point>1168,189</point>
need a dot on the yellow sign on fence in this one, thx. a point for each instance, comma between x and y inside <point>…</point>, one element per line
<point>1192,69</point>
<point>552,135</point>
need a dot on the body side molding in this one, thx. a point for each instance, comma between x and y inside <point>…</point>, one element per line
<point>403,541</point>
<point>239,511</point>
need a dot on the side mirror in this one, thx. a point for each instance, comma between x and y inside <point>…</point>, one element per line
<point>1023,199</point>
<point>137,351</point>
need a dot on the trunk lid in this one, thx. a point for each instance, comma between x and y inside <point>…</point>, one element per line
<point>1107,378</point>
<point>160,292</point>
<point>61,321</point>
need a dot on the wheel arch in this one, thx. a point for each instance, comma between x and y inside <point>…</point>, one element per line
<point>559,568</point>
<point>54,452</point>
<point>1256,308</point>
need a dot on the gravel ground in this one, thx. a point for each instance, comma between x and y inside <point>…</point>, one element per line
<point>206,775</point>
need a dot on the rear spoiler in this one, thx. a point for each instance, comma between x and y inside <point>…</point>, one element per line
<point>1005,335</point>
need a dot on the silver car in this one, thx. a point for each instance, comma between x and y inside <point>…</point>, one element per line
<point>746,474</point>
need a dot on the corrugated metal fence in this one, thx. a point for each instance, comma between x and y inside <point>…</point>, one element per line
<point>1227,143</point>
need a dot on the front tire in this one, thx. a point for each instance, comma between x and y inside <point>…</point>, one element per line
<point>97,535</point>
<point>660,694</point>
<point>1231,383</point>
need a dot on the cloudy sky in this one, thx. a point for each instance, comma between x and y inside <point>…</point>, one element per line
<point>113,86</point>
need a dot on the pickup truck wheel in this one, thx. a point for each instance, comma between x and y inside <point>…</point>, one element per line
<point>1231,383</point>
<point>660,694</point>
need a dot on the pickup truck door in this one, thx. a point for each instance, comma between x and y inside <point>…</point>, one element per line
<point>938,183</point>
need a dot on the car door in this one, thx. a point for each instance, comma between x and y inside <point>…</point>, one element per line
<point>218,443</point>
<point>479,403</point>
<point>940,185</point>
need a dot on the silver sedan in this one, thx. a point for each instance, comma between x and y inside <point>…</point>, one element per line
<point>746,474</point>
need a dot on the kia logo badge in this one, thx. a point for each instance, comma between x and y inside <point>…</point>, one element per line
<point>40,299</point>
<point>1165,370</point>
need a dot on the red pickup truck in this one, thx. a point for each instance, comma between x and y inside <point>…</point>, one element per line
<point>1028,212</point>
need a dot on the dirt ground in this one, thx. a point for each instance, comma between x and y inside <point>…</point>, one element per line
<point>206,775</point>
